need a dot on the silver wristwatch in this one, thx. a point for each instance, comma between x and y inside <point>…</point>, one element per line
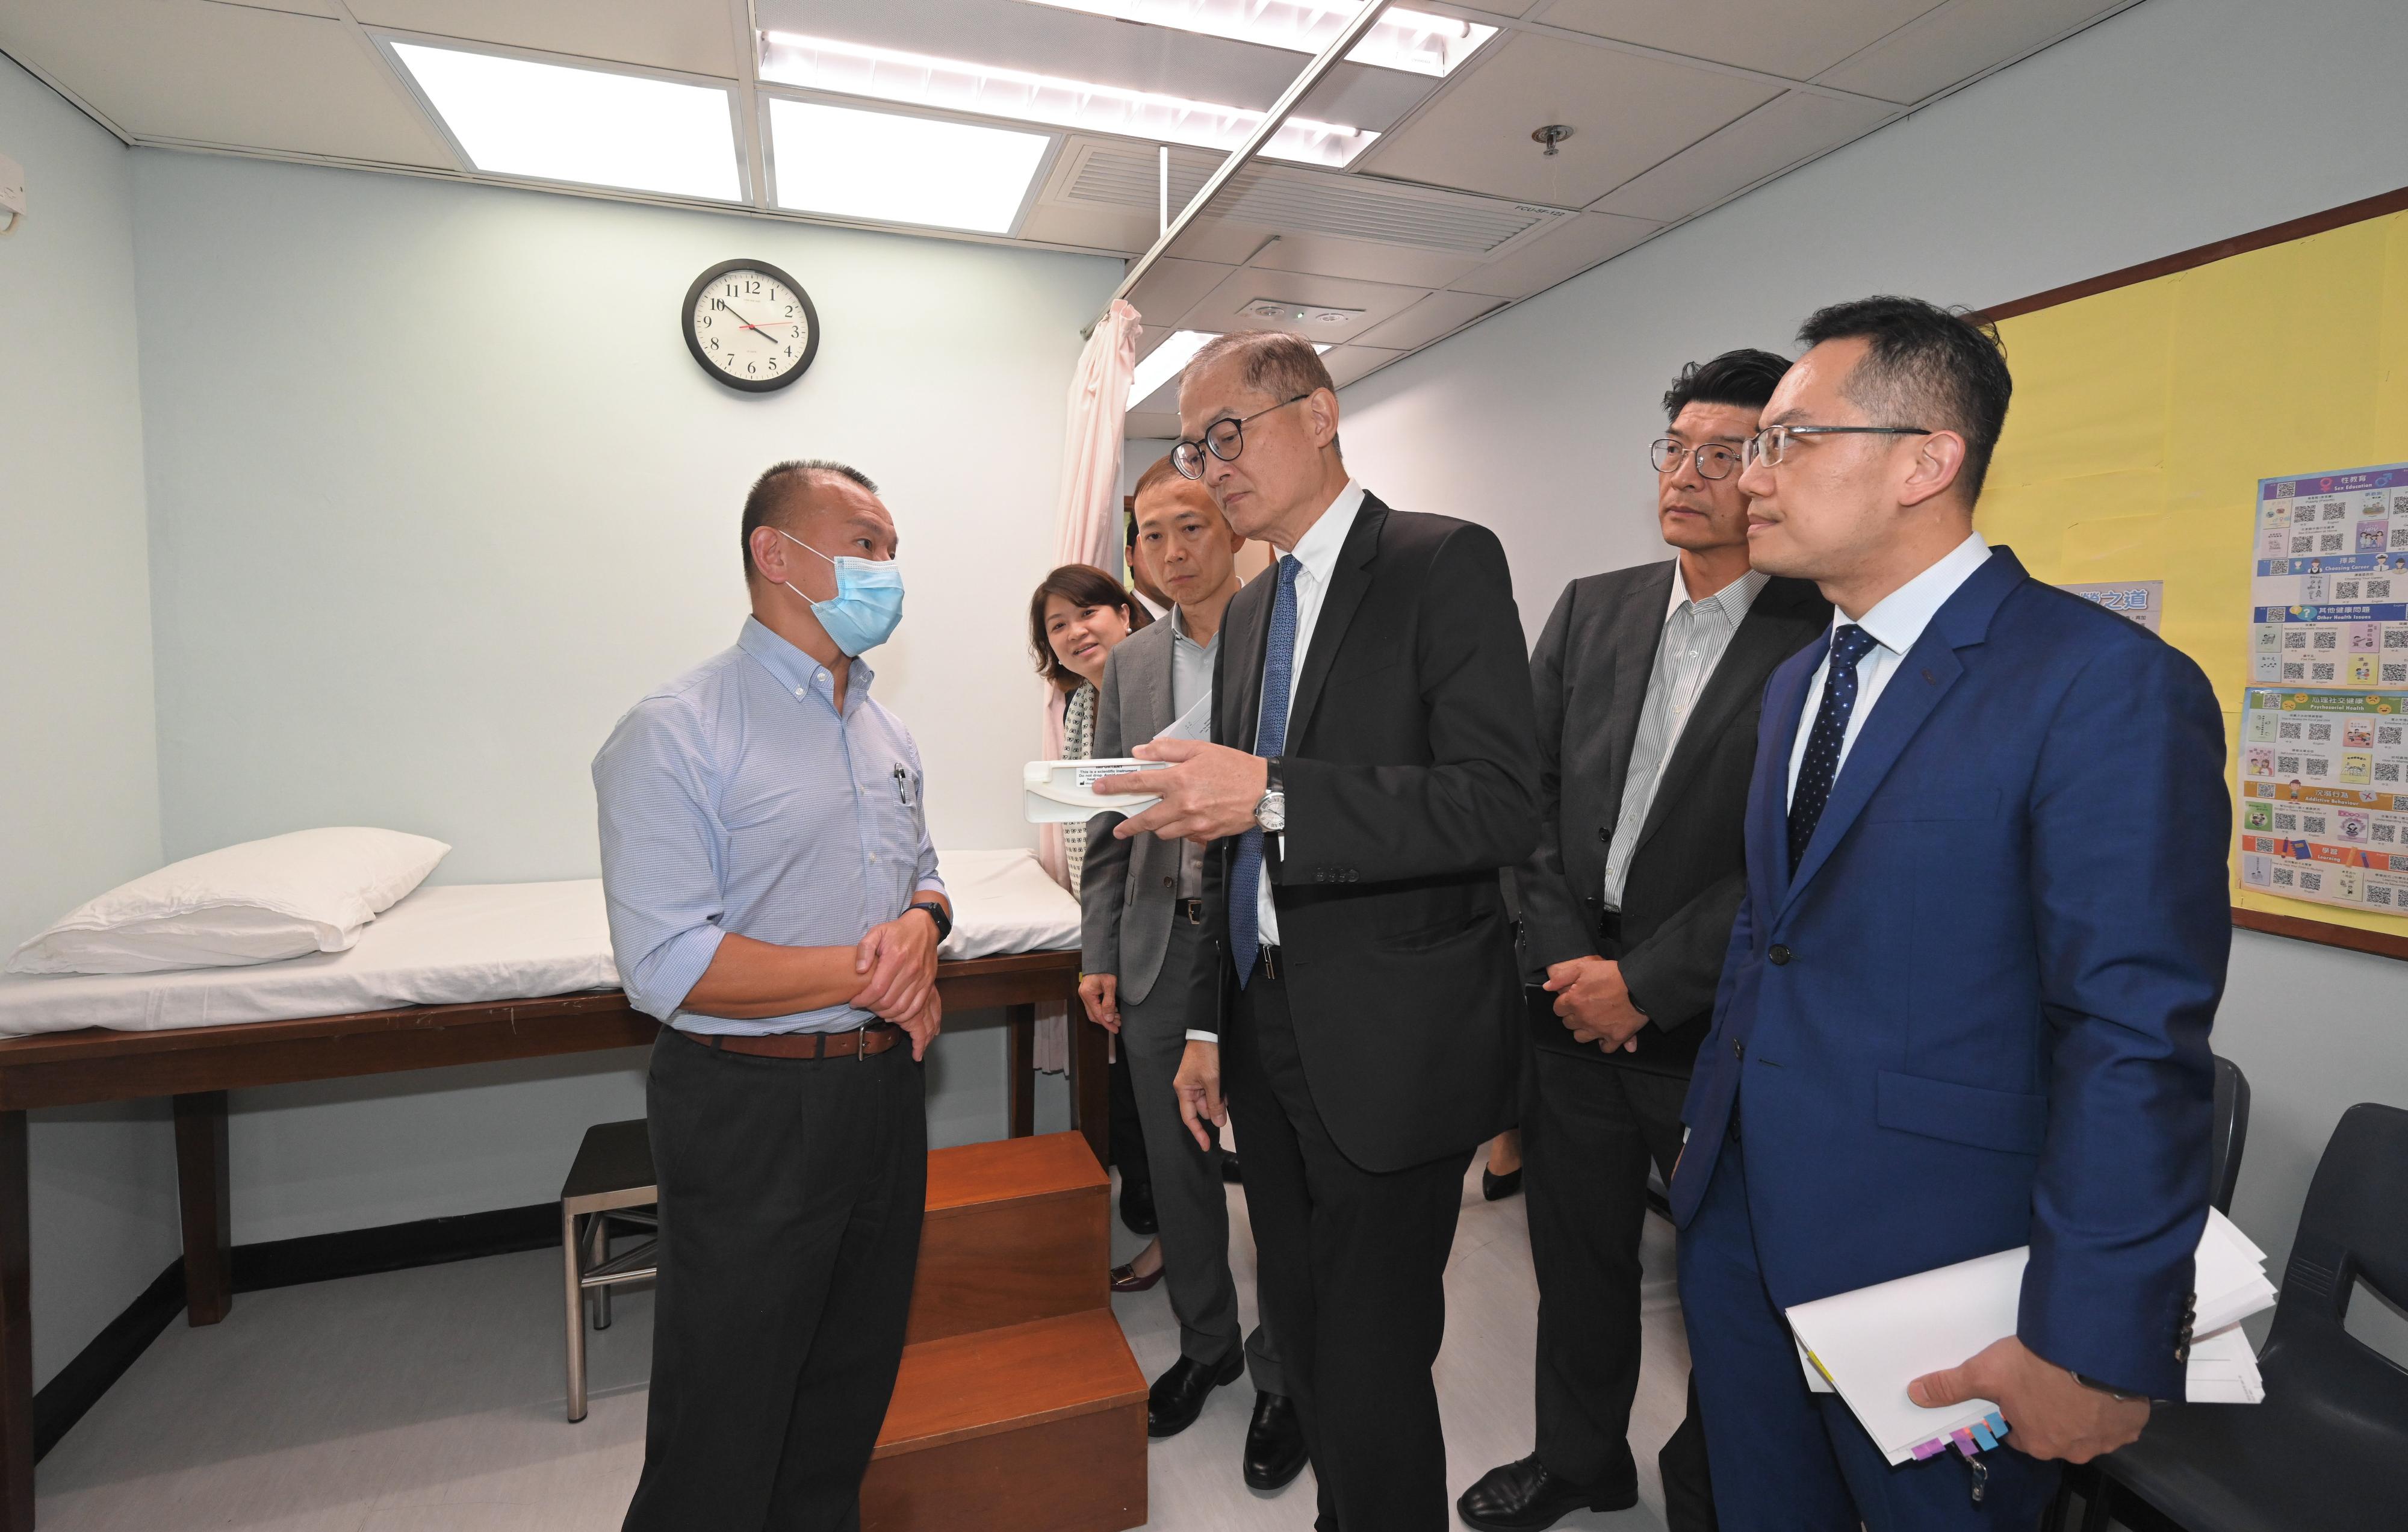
<point>1271,814</point>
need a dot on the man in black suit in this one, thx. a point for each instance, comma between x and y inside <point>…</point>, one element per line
<point>1647,683</point>
<point>1373,770</point>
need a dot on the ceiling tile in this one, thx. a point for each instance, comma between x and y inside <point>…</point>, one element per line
<point>1347,364</point>
<point>699,37</point>
<point>1564,252</point>
<point>298,8</point>
<point>230,74</point>
<point>1778,36</point>
<point>1089,227</point>
<point>1440,314</point>
<point>1140,424</point>
<point>1795,127</point>
<point>1222,308</point>
<point>1958,41</point>
<point>1627,113</point>
<point>1329,256</point>
<point>1171,288</point>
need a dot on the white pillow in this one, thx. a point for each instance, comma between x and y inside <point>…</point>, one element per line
<point>311,891</point>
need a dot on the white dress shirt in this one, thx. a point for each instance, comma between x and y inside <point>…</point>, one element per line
<point>1896,621</point>
<point>1694,638</point>
<point>1317,551</point>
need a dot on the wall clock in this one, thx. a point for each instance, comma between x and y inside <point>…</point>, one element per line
<point>749,326</point>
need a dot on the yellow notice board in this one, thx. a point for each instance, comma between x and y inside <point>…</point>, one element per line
<point>2149,404</point>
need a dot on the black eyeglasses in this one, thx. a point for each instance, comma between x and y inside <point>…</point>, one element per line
<point>1226,437</point>
<point>1771,444</point>
<point>1715,459</point>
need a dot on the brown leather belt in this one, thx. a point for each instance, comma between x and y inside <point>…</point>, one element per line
<point>863,1042</point>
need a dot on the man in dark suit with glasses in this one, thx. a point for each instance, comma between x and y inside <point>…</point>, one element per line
<point>1646,683</point>
<point>1372,772</point>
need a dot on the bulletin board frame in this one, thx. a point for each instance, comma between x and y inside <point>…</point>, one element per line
<point>2300,928</point>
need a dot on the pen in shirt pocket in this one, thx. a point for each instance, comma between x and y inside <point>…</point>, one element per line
<point>902,785</point>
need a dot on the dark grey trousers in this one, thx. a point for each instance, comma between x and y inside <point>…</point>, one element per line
<point>791,1197</point>
<point>1189,1196</point>
<point>1590,1128</point>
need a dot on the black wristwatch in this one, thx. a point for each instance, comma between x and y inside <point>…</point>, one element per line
<point>936,912</point>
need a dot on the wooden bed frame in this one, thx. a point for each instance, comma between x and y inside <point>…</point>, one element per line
<point>198,1065</point>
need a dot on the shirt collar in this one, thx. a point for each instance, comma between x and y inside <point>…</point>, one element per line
<point>1898,618</point>
<point>1321,544</point>
<point>1734,599</point>
<point>1178,630</point>
<point>794,670</point>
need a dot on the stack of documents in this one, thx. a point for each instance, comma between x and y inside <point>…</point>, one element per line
<point>1867,1345</point>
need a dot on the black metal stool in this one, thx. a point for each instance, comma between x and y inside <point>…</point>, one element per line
<point>611,1181</point>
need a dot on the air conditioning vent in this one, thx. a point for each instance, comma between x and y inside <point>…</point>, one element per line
<point>1301,202</point>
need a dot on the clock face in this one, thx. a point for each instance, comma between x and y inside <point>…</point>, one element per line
<point>751,327</point>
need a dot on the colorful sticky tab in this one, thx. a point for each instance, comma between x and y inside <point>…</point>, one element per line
<point>1982,1433</point>
<point>1998,1427</point>
<point>1929,1449</point>
<point>1963,1441</point>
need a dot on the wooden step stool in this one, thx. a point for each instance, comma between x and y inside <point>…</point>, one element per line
<point>1018,1407</point>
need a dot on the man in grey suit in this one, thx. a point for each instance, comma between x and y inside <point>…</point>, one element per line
<point>1144,937</point>
<point>1646,683</point>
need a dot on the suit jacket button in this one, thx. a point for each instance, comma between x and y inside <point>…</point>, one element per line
<point>1739,1047</point>
<point>1779,956</point>
<point>1165,882</point>
<point>1603,835</point>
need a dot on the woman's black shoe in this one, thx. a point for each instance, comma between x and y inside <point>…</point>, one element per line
<point>1496,1188</point>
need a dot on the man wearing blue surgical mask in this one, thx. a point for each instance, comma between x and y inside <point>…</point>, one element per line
<point>773,897</point>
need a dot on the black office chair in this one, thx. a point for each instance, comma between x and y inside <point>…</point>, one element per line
<point>2228,1136</point>
<point>2329,1448</point>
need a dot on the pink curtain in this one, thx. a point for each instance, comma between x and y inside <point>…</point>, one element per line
<point>1086,530</point>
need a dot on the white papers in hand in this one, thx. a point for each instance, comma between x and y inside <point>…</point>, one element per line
<point>1876,1340</point>
<point>1194,723</point>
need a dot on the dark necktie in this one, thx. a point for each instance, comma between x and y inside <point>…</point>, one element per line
<point>1822,762</point>
<point>1270,738</point>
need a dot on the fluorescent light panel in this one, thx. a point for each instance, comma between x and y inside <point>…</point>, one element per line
<point>1168,359</point>
<point>888,168</point>
<point>552,122</point>
<point>1410,40</point>
<point>843,68</point>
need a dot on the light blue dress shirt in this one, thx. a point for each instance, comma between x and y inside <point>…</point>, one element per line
<point>735,798</point>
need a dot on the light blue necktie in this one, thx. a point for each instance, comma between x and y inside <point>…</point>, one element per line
<point>1270,738</point>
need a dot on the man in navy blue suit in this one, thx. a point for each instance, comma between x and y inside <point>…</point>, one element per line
<point>1968,995</point>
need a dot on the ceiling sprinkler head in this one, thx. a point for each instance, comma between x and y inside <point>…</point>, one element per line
<point>1552,135</point>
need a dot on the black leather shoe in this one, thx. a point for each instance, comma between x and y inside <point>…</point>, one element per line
<point>1136,1208</point>
<point>1177,1398</point>
<point>1524,1497</point>
<point>1274,1443</point>
<point>1496,1188</point>
<point>1229,1169</point>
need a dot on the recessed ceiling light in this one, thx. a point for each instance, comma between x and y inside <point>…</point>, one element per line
<point>1401,39</point>
<point>889,168</point>
<point>1168,359</point>
<point>820,64</point>
<point>552,122</point>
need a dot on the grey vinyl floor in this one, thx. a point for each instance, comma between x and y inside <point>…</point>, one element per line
<point>431,1401</point>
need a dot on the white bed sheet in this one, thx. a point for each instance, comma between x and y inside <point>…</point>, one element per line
<point>462,943</point>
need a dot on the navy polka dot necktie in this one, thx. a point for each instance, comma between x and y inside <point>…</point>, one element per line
<point>1822,762</point>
